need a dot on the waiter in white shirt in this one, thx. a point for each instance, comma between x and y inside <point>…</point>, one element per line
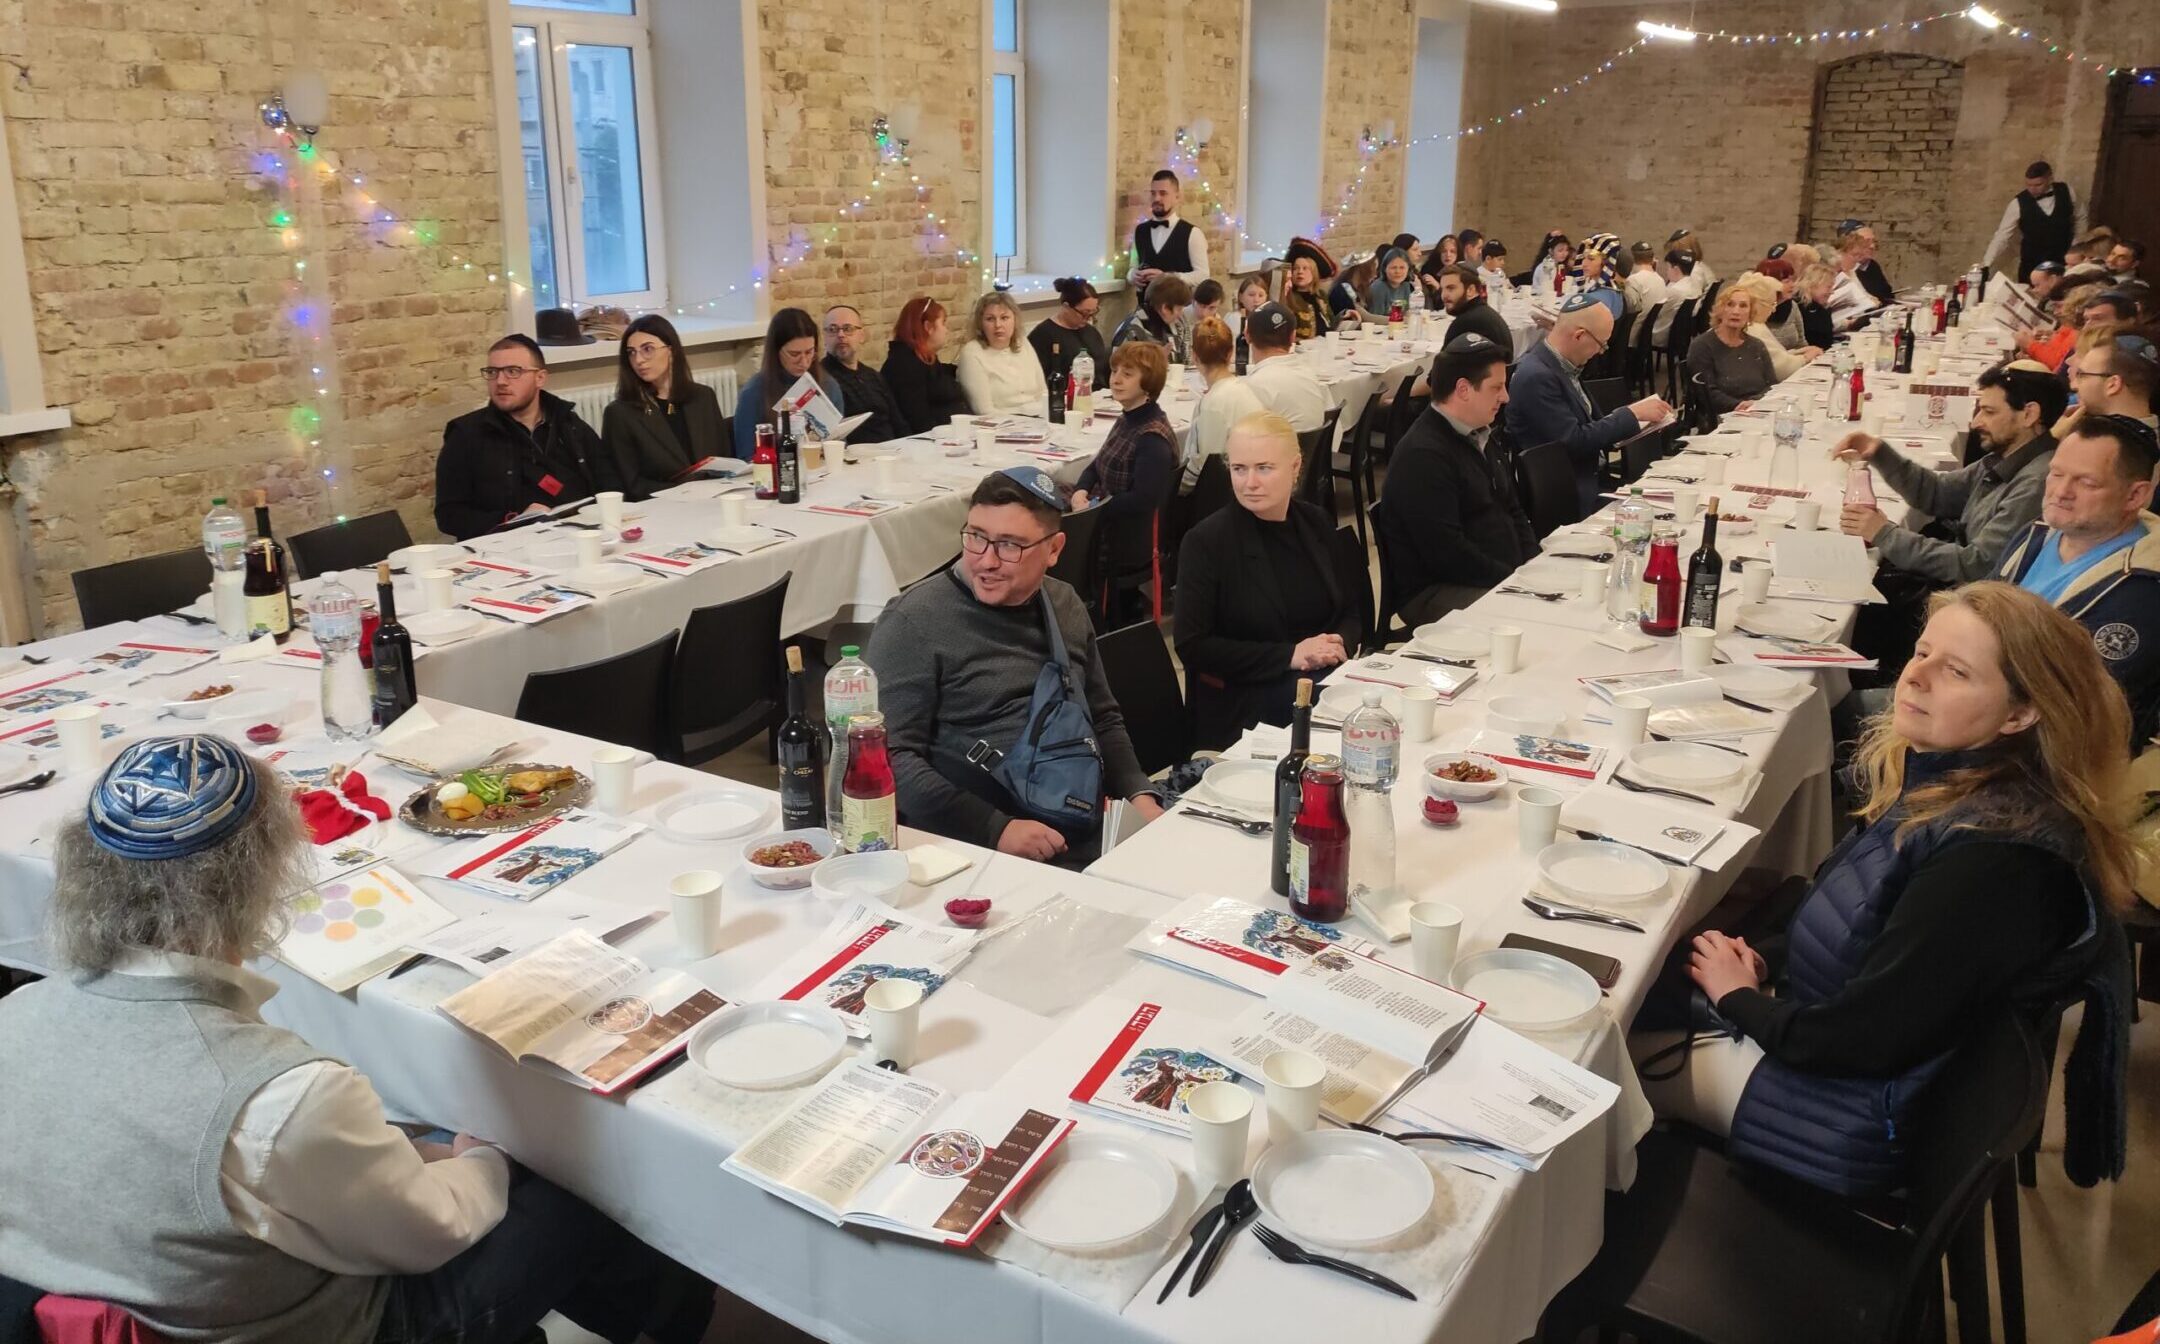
<point>2043,216</point>
<point>1164,244</point>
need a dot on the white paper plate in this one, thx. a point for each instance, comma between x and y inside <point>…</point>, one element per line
<point>602,579</point>
<point>900,492</point>
<point>1768,618</point>
<point>1753,683</point>
<point>1525,714</point>
<point>711,814</point>
<point>749,534</point>
<point>1342,1188</point>
<point>1526,990</point>
<point>789,879</point>
<point>1096,1190</point>
<point>1247,785</point>
<point>436,627</point>
<point>1686,765</point>
<point>1463,790</point>
<point>1452,641</point>
<point>766,1046</point>
<point>414,559</point>
<point>1337,699</point>
<point>199,709</point>
<point>873,874</point>
<point>1601,872</point>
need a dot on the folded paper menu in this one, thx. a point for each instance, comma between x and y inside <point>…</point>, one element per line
<point>135,659</point>
<point>1239,944</point>
<point>1683,832</point>
<point>1375,1027</point>
<point>353,928</point>
<point>1536,757</point>
<point>525,864</point>
<point>581,1010</point>
<point>1385,670</point>
<point>861,947</point>
<point>1715,719</point>
<point>1149,1067</point>
<point>529,606</point>
<point>1774,651</point>
<point>494,935</point>
<point>1826,566</point>
<point>1670,686</point>
<point>424,744</point>
<point>39,733</point>
<point>855,508</point>
<point>41,690</point>
<point>487,575</point>
<point>713,468</point>
<point>675,560</point>
<point>1502,1086</point>
<point>881,1149</point>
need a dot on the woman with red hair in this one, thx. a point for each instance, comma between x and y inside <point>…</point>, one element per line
<point>925,388</point>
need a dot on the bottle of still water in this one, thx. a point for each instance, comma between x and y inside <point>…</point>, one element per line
<point>1372,758</point>
<point>850,689</point>
<point>348,701</point>
<point>1083,383</point>
<point>1631,549</point>
<point>1417,308</point>
<point>225,539</point>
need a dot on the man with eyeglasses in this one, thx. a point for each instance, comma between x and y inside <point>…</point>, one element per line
<point>2118,378</point>
<point>522,454</point>
<point>862,388</point>
<point>1547,403</point>
<point>958,657</point>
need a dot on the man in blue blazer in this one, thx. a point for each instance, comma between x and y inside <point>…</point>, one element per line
<point>1547,403</point>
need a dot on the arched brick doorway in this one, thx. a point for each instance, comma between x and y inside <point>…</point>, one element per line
<point>1880,151</point>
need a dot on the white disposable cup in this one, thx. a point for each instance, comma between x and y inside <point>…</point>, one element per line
<point>695,898</point>
<point>1630,719</point>
<point>82,737</point>
<point>590,549</point>
<point>1755,581</point>
<point>1713,470</point>
<point>1293,1080</point>
<point>1221,1122</point>
<point>1684,499</point>
<point>1435,937</point>
<point>1506,649</point>
<point>963,422</point>
<point>734,509</point>
<point>611,511</point>
<point>1537,813</point>
<point>1418,704</point>
<point>1698,649</point>
<point>884,473</point>
<point>614,772</point>
<point>1594,575</point>
<point>985,440</point>
<point>1806,515</point>
<point>438,589</point>
<point>893,1008</point>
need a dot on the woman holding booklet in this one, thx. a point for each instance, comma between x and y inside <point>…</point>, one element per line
<point>318,1220</point>
<point>1979,878</point>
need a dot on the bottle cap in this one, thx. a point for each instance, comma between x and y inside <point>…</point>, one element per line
<point>1371,696</point>
<point>850,650</point>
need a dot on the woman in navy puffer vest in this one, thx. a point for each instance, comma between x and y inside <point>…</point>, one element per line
<point>1990,849</point>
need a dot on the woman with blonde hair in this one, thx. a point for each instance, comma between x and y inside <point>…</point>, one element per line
<point>1763,293</point>
<point>1993,842</point>
<point>998,370</point>
<point>1800,256</point>
<point>1812,294</point>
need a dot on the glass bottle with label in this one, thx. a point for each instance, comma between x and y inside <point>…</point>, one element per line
<point>268,585</point>
<point>765,463</point>
<point>1320,845</point>
<point>790,462</point>
<point>802,757</point>
<point>391,651</point>
<point>1661,585</point>
<point>1706,570</point>
<point>1289,786</point>
<point>348,707</point>
<point>1372,759</point>
<point>851,688</point>
<point>869,798</point>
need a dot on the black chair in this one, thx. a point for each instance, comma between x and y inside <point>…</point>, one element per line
<point>1682,334</point>
<point>1707,1250</point>
<point>1355,575</point>
<point>1144,682</point>
<point>1607,394</point>
<point>1316,482</point>
<point>134,589</point>
<point>355,543</point>
<point>1211,491</point>
<point>1545,479</point>
<point>729,681</point>
<point>1355,466</point>
<point>1637,454</point>
<point>1642,355</point>
<point>623,700</point>
<point>1385,630</point>
<point>1080,563</point>
<point>1401,415</point>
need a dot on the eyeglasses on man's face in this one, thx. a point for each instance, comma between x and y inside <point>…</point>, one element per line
<point>1009,550</point>
<point>843,329</point>
<point>511,372</point>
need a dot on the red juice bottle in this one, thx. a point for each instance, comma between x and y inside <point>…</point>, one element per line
<point>1855,395</point>
<point>869,803</point>
<point>1942,315</point>
<point>765,462</point>
<point>1661,585</point>
<point>1320,845</point>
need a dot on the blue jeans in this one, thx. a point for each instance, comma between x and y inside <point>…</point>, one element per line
<point>551,1252</point>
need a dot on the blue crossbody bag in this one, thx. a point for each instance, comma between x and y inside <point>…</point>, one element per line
<point>1054,772</point>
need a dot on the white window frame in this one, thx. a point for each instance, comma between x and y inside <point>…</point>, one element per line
<point>558,30</point>
<point>1014,64</point>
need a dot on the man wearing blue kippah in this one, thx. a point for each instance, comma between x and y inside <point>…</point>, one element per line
<point>1547,403</point>
<point>166,1151</point>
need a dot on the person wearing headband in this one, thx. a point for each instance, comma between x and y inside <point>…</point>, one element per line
<point>167,1151</point>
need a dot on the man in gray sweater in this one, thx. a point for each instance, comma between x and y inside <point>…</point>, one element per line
<point>957,657</point>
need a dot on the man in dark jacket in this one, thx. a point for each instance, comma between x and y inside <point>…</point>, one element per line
<point>1462,290</point>
<point>861,387</point>
<point>1453,525</point>
<point>1550,405</point>
<point>2095,553</point>
<point>525,452</point>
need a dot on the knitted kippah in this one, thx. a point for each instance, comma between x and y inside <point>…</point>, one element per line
<point>169,797</point>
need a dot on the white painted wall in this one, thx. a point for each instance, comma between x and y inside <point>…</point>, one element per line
<point>1284,119</point>
<point>1435,110</point>
<point>1070,110</point>
<point>705,152</point>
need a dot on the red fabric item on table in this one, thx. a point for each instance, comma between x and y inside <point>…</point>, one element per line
<point>329,819</point>
<point>78,1320</point>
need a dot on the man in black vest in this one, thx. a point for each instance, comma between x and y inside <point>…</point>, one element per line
<point>1164,244</point>
<point>2044,217</point>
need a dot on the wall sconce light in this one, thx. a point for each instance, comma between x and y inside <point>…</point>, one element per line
<point>1199,133</point>
<point>301,106</point>
<point>899,128</point>
<point>1384,138</point>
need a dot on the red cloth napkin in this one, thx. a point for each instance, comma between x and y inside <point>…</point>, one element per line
<point>333,816</point>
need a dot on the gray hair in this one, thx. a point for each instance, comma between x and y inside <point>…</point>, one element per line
<point>228,901</point>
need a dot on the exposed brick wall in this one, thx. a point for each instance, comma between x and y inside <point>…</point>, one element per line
<point>1884,129</point>
<point>1716,135</point>
<point>1178,63</point>
<point>1372,45</point>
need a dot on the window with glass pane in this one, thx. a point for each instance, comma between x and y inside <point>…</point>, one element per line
<point>532,136</point>
<point>1005,25</point>
<point>611,190</point>
<point>1005,166</point>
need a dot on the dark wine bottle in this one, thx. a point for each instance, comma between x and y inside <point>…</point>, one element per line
<point>1244,353</point>
<point>390,648</point>
<point>1705,570</point>
<point>1902,350</point>
<point>1289,789</point>
<point>1056,382</point>
<point>268,585</point>
<point>790,461</point>
<point>802,756</point>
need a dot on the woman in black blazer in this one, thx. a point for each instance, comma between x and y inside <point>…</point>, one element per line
<point>1259,603</point>
<point>925,388</point>
<point>662,422</point>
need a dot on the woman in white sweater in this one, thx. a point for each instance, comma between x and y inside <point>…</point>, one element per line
<point>1000,375</point>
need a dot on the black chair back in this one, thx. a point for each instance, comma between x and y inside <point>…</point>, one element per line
<point>623,700</point>
<point>356,543</point>
<point>1211,491</point>
<point>1355,575</point>
<point>1391,594</point>
<point>729,680</point>
<point>1316,483</point>
<point>1641,353</point>
<point>1080,563</point>
<point>134,589</point>
<point>1607,394</point>
<point>1546,481</point>
<point>1355,465</point>
<point>1973,1121</point>
<point>1143,680</point>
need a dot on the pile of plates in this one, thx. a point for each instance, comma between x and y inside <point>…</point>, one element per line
<point>1241,786</point>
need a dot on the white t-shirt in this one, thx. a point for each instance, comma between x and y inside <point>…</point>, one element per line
<point>1221,407</point>
<point>1285,386</point>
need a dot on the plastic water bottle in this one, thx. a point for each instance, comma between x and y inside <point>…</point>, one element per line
<point>1083,376</point>
<point>1372,758</point>
<point>1417,309</point>
<point>850,689</point>
<point>1787,425</point>
<point>348,702</point>
<point>225,539</point>
<point>1631,550</point>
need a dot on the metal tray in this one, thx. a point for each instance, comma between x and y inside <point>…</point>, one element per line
<point>420,812</point>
